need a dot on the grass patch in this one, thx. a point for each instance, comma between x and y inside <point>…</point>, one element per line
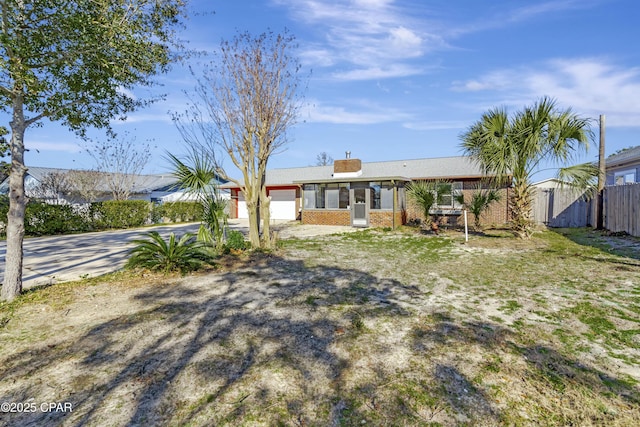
<point>375,327</point>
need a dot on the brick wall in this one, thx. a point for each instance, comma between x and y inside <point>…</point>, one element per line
<point>497,214</point>
<point>326,217</point>
<point>379,218</point>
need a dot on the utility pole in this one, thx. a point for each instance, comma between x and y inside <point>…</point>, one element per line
<point>601,176</point>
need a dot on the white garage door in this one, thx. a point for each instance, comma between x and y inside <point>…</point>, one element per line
<point>283,204</point>
<point>242,206</point>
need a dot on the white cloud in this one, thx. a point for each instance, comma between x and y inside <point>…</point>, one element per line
<point>370,39</point>
<point>372,73</point>
<point>162,117</point>
<point>436,125</point>
<point>373,3</point>
<point>405,42</point>
<point>364,113</point>
<point>320,57</point>
<point>376,39</point>
<point>66,147</point>
<point>128,93</point>
<point>590,86</point>
<point>501,16</point>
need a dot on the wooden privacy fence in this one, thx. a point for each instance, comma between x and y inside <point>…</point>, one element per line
<point>557,207</point>
<point>622,208</point>
<point>561,207</point>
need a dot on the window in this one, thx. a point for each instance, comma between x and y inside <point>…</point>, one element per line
<point>448,194</point>
<point>375,195</point>
<point>332,196</point>
<point>343,196</point>
<point>309,196</point>
<point>625,177</point>
<point>326,196</point>
<point>320,196</point>
<point>381,195</point>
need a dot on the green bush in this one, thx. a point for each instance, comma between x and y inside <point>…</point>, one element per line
<point>235,241</point>
<point>183,254</point>
<point>4,210</point>
<point>178,212</point>
<point>42,219</point>
<point>120,213</point>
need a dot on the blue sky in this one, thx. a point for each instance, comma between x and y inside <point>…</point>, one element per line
<point>395,80</point>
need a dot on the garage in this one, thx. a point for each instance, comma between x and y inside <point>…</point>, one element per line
<point>242,206</point>
<point>283,204</point>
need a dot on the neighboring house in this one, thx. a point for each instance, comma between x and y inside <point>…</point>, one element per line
<point>547,184</point>
<point>154,188</point>
<point>623,167</point>
<point>351,192</point>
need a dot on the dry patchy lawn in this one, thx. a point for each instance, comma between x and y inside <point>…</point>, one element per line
<point>366,328</point>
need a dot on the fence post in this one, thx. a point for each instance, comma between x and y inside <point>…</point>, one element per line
<point>601,176</point>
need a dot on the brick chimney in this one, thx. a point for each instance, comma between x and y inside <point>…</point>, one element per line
<point>347,167</point>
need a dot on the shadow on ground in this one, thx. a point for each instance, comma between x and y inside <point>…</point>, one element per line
<point>620,244</point>
<point>267,338</point>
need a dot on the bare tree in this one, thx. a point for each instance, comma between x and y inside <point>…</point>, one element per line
<point>324,159</point>
<point>247,102</point>
<point>120,162</point>
<point>86,185</point>
<point>53,187</point>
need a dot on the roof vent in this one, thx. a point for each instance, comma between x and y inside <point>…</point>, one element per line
<point>348,154</point>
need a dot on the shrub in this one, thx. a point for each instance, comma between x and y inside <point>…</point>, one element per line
<point>43,219</point>
<point>178,212</point>
<point>4,210</point>
<point>235,241</point>
<point>183,254</point>
<point>120,213</point>
<point>426,194</point>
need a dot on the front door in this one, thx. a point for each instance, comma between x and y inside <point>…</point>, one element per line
<point>360,204</point>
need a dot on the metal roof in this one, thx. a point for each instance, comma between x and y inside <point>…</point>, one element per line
<point>627,156</point>
<point>141,183</point>
<point>434,168</point>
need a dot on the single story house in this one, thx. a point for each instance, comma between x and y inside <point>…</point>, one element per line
<point>352,192</point>
<point>623,167</point>
<point>50,185</point>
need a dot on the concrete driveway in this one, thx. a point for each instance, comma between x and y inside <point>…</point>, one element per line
<point>53,259</point>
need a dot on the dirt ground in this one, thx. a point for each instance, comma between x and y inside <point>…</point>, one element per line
<point>350,329</point>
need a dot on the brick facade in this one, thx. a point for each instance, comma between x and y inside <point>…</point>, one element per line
<point>498,213</point>
<point>326,216</point>
<point>377,218</point>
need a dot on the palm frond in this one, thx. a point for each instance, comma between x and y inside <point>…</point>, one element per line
<point>581,178</point>
<point>157,254</point>
<point>425,194</point>
<point>513,148</point>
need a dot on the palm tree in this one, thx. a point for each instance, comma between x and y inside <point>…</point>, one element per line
<point>155,253</point>
<point>480,202</point>
<point>425,195</point>
<point>197,175</point>
<point>513,148</point>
